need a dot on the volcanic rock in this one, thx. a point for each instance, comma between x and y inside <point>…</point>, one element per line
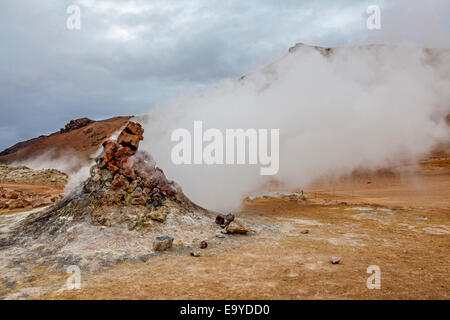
<point>228,219</point>
<point>131,135</point>
<point>335,260</point>
<point>76,124</point>
<point>125,187</point>
<point>162,243</point>
<point>220,219</point>
<point>195,253</point>
<point>236,227</point>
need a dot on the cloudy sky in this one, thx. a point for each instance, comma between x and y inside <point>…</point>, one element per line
<point>129,56</point>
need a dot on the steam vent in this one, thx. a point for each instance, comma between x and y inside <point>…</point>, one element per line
<point>125,188</point>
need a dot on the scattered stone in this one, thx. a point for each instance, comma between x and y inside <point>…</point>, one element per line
<point>236,227</point>
<point>203,245</point>
<point>228,219</point>
<point>76,124</point>
<point>306,231</point>
<point>335,260</point>
<point>162,243</point>
<point>195,254</point>
<point>220,220</point>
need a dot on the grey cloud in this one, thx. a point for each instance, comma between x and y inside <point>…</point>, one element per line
<point>49,75</point>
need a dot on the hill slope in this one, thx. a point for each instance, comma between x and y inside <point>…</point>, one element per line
<point>82,138</point>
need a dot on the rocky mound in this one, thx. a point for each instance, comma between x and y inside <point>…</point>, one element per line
<point>76,124</point>
<point>125,187</point>
<point>80,138</point>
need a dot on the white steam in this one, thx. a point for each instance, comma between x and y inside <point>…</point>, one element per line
<point>68,162</point>
<point>358,107</point>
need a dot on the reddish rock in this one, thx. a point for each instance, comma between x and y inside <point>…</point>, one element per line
<point>170,191</point>
<point>136,129</point>
<point>124,152</point>
<point>128,140</point>
<point>127,167</point>
<point>110,149</point>
<point>112,166</point>
<point>118,182</point>
<point>160,177</point>
<point>76,124</point>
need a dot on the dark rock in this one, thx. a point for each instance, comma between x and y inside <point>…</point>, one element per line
<point>203,245</point>
<point>228,219</point>
<point>162,243</point>
<point>76,124</point>
<point>220,220</point>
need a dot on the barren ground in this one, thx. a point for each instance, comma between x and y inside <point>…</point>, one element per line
<point>399,223</point>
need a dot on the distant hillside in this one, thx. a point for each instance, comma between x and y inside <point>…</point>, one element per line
<point>82,136</point>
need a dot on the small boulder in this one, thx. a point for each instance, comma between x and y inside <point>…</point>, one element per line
<point>136,129</point>
<point>335,260</point>
<point>203,245</point>
<point>124,152</point>
<point>110,149</point>
<point>236,227</point>
<point>162,243</point>
<point>228,219</point>
<point>128,140</point>
<point>195,253</point>
<point>220,220</point>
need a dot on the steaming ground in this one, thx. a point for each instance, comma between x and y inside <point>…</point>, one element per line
<point>356,107</point>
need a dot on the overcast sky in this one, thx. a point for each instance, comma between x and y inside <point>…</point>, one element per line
<point>131,55</point>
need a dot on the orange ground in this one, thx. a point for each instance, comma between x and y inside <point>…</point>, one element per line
<point>410,244</point>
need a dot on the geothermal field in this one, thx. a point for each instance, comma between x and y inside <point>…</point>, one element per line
<point>359,207</point>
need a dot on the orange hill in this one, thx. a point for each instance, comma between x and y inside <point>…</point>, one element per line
<point>82,136</point>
